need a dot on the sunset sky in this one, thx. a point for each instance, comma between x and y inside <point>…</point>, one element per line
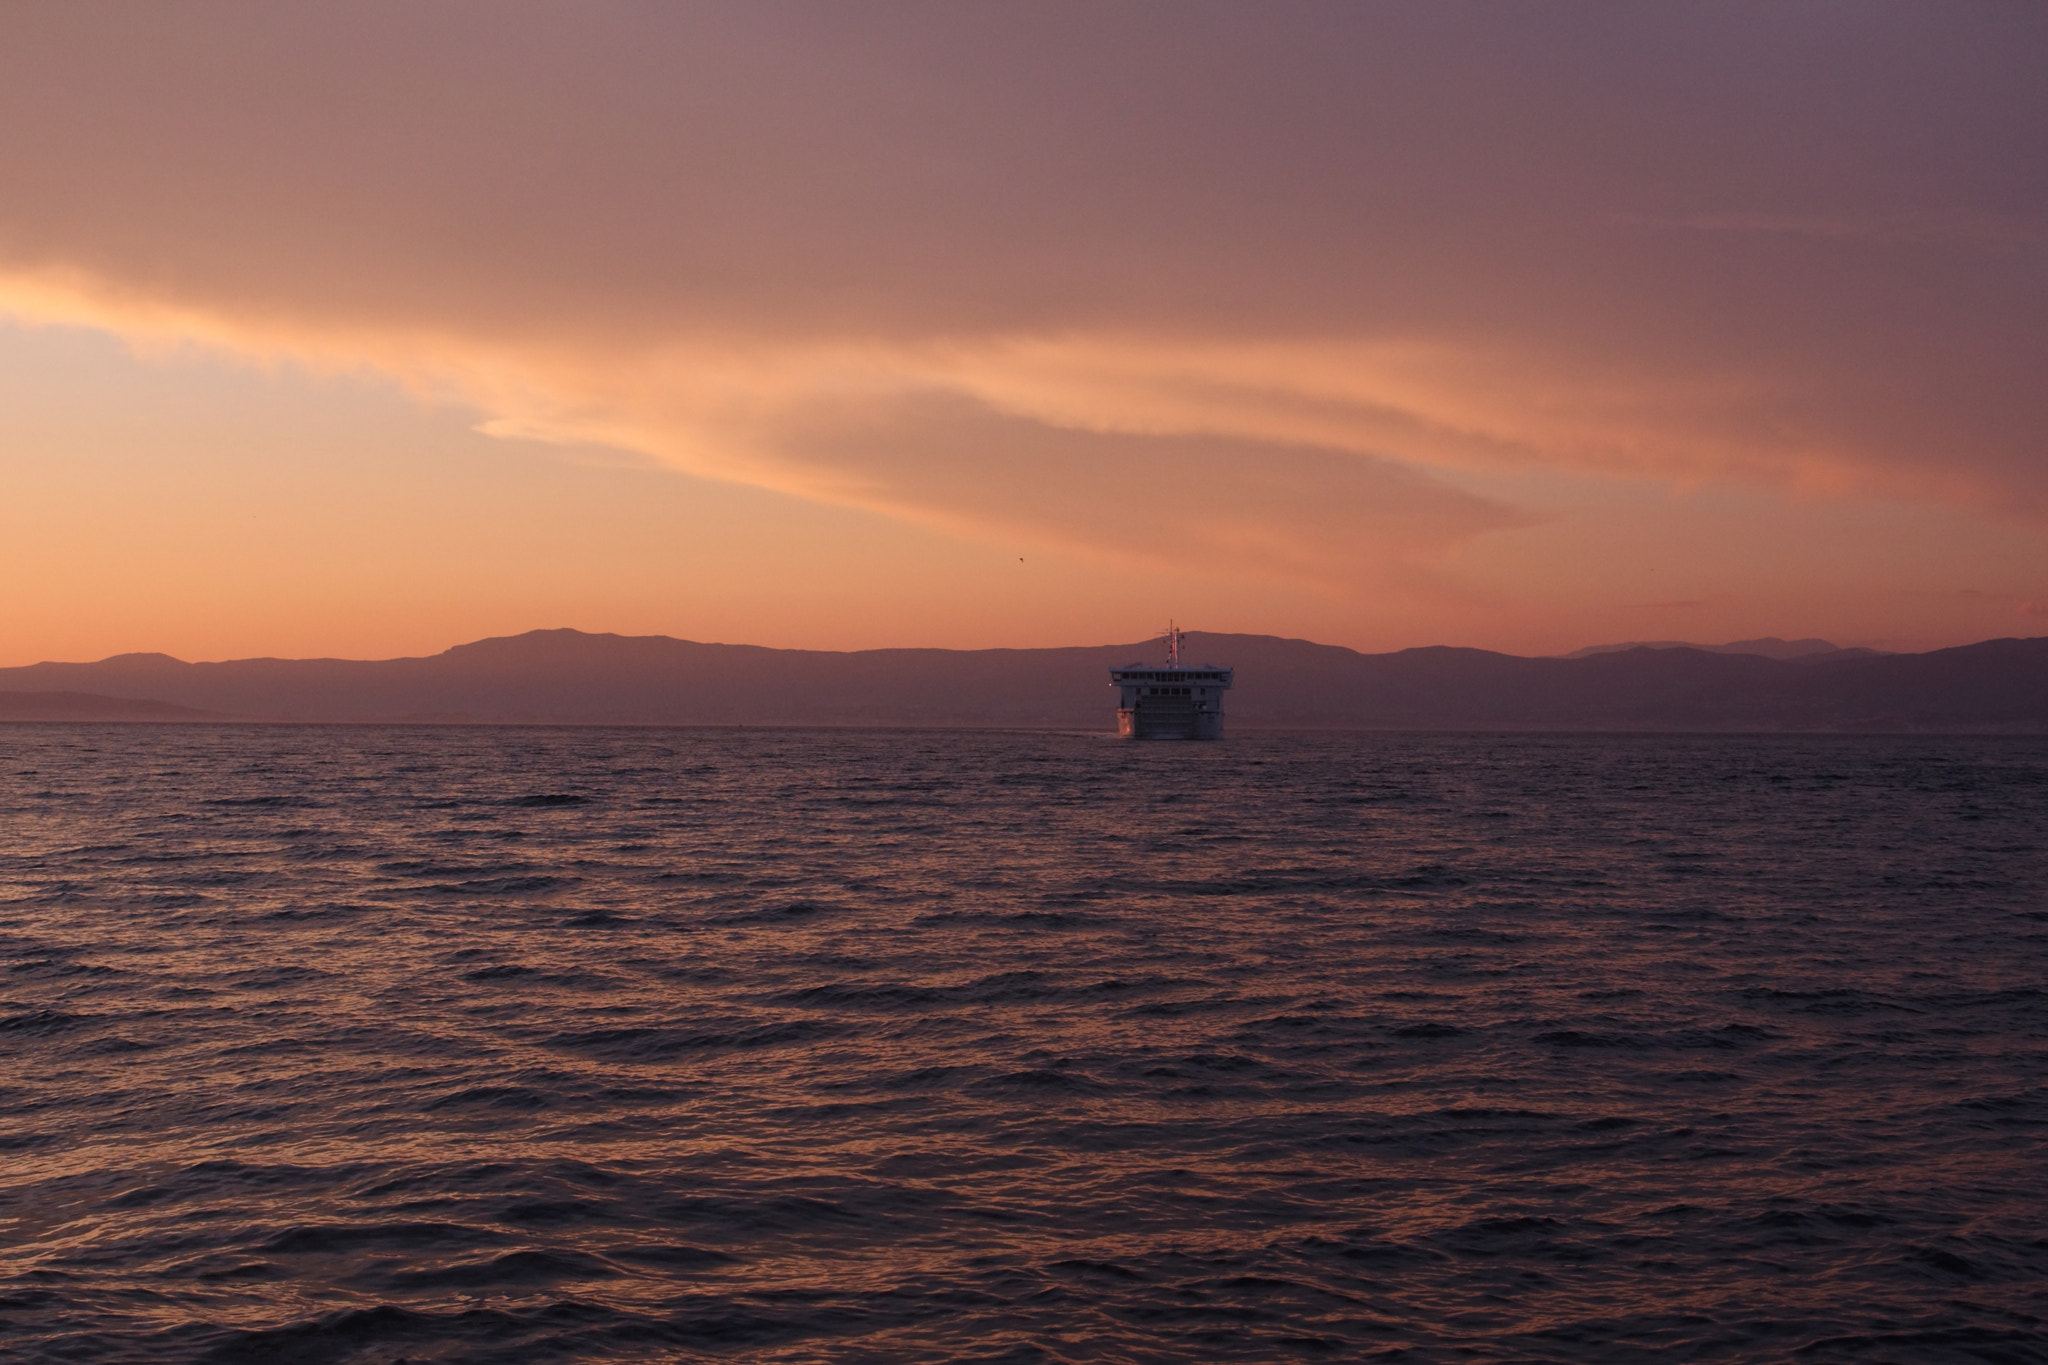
<point>365,330</point>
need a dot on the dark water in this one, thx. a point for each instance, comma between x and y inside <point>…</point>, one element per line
<point>528,1045</point>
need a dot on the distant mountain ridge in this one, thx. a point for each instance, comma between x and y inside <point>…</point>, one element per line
<point>1770,647</point>
<point>569,677</point>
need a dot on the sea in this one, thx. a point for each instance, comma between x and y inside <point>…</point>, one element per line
<point>363,1044</point>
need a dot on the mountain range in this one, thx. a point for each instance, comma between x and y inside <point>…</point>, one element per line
<point>1770,646</point>
<point>569,677</point>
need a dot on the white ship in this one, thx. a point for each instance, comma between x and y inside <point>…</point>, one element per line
<point>1174,702</point>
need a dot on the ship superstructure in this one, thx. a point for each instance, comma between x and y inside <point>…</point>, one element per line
<point>1174,702</point>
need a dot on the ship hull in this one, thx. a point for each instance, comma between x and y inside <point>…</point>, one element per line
<point>1144,722</point>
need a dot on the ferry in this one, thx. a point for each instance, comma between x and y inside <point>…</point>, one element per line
<point>1174,702</point>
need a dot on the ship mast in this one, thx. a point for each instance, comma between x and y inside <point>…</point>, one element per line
<point>1173,634</point>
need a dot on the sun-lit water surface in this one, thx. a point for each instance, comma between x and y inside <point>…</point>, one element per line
<point>361,1044</point>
